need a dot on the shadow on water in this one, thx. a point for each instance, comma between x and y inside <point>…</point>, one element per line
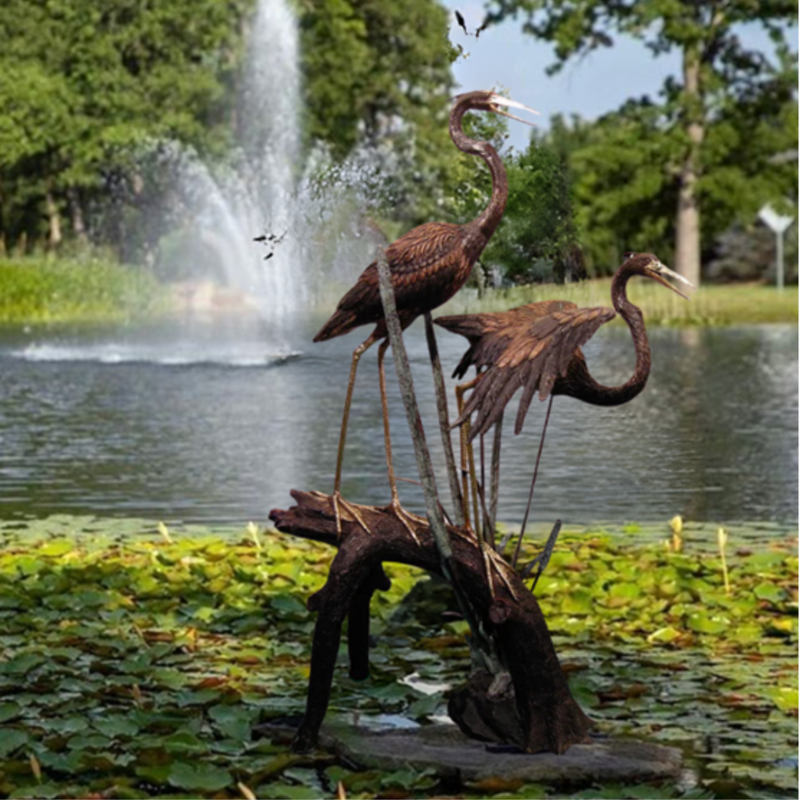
<point>216,426</point>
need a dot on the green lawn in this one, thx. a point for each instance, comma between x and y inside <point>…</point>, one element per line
<point>730,304</point>
<point>39,290</point>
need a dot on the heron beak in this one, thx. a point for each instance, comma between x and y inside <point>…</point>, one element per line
<point>659,273</point>
<point>497,100</point>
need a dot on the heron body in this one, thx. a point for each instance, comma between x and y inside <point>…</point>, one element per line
<point>428,265</point>
<point>536,347</point>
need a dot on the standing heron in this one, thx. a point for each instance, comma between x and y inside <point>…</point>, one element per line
<point>537,347</point>
<point>429,264</point>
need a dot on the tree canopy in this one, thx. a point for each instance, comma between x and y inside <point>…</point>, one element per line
<point>691,144</point>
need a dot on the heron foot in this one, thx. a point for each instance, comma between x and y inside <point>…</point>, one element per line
<point>337,500</point>
<point>408,520</point>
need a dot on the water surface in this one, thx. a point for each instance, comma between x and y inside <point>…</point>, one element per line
<point>208,426</point>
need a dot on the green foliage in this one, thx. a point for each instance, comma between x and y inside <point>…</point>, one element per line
<point>134,663</point>
<point>722,134</point>
<point>538,228</point>
<point>83,83</point>
<point>623,192</point>
<point>537,237</point>
<point>377,74</point>
<point>89,291</point>
<point>83,86</point>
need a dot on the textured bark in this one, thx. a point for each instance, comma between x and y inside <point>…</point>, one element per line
<point>687,228</point>
<point>530,706</point>
<point>54,235</point>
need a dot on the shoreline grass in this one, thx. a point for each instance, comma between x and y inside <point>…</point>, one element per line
<point>43,291</point>
<point>711,305</point>
<point>91,291</point>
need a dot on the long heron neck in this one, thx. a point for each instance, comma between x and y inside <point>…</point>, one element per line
<point>635,321</point>
<point>488,221</point>
<point>589,390</point>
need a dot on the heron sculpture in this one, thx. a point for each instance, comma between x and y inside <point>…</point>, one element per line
<point>428,265</point>
<point>536,347</point>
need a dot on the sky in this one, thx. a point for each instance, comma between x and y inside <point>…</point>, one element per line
<point>504,57</point>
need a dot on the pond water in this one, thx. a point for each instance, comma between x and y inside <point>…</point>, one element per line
<point>213,425</point>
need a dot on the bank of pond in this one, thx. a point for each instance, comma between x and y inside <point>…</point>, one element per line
<point>43,291</point>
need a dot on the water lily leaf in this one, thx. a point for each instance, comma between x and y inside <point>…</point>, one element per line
<point>769,592</point>
<point>69,725</point>
<point>183,742</point>
<point>56,548</point>
<point>40,790</point>
<point>666,634</point>
<point>785,698</point>
<point>701,623</point>
<point>288,604</point>
<point>234,721</point>
<point>9,711</point>
<point>198,777</point>
<point>286,791</point>
<point>580,601</point>
<point>11,739</point>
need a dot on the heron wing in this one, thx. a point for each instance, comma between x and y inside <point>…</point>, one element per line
<point>532,355</point>
<point>489,331</point>
<point>425,264</point>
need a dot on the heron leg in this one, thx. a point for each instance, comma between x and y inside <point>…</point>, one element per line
<point>461,389</point>
<point>404,516</point>
<point>517,549</point>
<point>495,479</point>
<point>337,482</point>
<point>470,484</point>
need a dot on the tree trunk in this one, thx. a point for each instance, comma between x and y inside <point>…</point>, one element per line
<point>54,221</point>
<point>76,211</point>
<point>687,240</point>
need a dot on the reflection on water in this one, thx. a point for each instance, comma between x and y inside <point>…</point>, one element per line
<point>216,433</point>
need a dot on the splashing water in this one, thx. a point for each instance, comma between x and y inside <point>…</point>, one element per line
<point>314,234</point>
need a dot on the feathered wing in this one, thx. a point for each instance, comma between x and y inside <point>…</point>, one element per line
<point>484,330</point>
<point>425,265</point>
<point>532,355</point>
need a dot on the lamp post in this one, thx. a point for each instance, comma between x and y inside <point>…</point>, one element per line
<point>779,225</point>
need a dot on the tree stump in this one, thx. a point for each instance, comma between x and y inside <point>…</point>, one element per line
<point>527,703</point>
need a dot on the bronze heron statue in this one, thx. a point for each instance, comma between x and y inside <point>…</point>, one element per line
<point>428,265</point>
<point>536,347</point>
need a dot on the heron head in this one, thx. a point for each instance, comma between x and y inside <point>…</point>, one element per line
<point>651,267</point>
<point>493,102</point>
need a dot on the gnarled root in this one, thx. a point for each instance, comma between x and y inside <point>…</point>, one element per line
<point>528,704</point>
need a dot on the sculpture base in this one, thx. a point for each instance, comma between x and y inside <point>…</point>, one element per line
<point>453,755</point>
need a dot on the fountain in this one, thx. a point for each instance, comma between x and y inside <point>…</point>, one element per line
<point>310,238</point>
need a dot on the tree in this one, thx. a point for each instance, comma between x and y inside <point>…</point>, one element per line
<point>718,73</point>
<point>84,83</point>
<point>377,74</point>
<point>538,237</point>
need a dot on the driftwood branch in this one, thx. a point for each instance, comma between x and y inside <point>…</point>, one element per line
<point>534,711</point>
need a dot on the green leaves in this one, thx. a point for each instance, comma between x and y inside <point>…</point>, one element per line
<point>198,777</point>
<point>159,688</point>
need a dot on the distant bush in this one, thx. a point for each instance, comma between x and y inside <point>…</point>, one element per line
<point>37,290</point>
